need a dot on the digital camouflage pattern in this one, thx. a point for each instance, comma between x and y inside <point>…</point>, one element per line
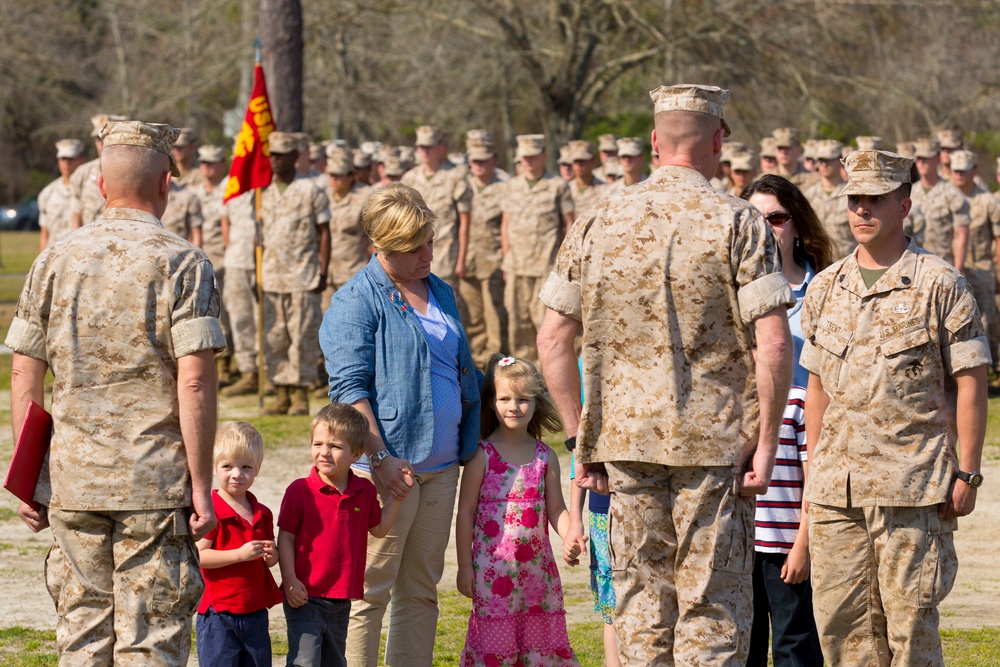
<point>183,212</point>
<point>242,230</point>
<point>110,310</point>
<point>88,202</point>
<point>291,240</point>
<point>666,278</point>
<point>535,222</point>
<point>446,193</point>
<point>980,261</point>
<point>239,297</point>
<point>348,241</point>
<point>942,207</point>
<point>885,357</point>
<point>55,209</point>
<point>211,213</point>
<point>831,210</point>
<point>291,337</point>
<point>586,196</point>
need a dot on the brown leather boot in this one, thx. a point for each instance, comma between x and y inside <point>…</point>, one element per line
<point>283,403</point>
<point>246,385</point>
<point>300,402</point>
<point>223,377</point>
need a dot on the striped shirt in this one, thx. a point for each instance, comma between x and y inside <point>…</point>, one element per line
<point>780,509</point>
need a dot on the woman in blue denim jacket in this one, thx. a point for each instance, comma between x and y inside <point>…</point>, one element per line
<point>395,349</point>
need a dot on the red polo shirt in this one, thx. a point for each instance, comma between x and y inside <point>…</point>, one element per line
<point>331,533</point>
<point>240,588</point>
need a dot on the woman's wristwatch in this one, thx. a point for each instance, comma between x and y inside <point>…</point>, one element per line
<point>379,456</point>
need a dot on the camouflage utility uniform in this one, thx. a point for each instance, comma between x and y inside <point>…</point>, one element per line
<point>942,208</point>
<point>55,209</point>
<point>183,212</point>
<point>446,192</point>
<point>88,202</point>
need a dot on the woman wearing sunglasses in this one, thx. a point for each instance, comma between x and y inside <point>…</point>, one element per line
<point>781,589</point>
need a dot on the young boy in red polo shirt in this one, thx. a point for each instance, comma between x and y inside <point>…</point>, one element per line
<point>236,557</point>
<point>324,523</point>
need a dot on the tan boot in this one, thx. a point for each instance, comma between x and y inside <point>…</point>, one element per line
<point>223,377</point>
<point>300,402</point>
<point>246,385</point>
<point>283,403</point>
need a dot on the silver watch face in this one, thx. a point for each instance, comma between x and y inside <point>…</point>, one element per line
<point>975,479</point>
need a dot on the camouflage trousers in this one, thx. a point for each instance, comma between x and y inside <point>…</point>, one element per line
<point>125,585</point>
<point>878,574</point>
<point>227,329</point>
<point>291,337</point>
<point>983,286</point>
<point>525,312</point>
<point>681,543</point>
<point>486,326</point>
<point>239,296</point>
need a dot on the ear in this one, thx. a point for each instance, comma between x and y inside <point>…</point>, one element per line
<point>165,186</point>
<point>717,141</point>
<point>102,186</point>
<point>652,139</point>
<point>905,207</point>
<point>356,455</point>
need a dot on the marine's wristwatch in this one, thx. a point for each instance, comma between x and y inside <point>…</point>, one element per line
<point>973,479</point>
<point>377,458</point>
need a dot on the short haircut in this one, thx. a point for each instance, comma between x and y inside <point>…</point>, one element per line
<point>397,219</point>
<point>526,378</point>
<point>235,440</point>
<point>345,422</point>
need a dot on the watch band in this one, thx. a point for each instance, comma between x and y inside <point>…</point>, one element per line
<point>973,479</point>
<point>377,458</point>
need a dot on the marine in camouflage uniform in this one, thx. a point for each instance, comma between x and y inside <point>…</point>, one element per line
<point>482,286</point>
<point>184,152</point>
<point>446,191</point>
<point>55,216</point>
<point>824,196</point>
<point>88,202</point>
<point>788,151</point>
<point>348,243</point>
<point>943,210</point>
<point>630,156</point>
<point>585,188</point>
<point>295,216</point>
<point>239,294</point>
<point>183,215</point>
<point>537,212</point>
<point>671,282</point>
<point>124,314</point>
<point>896,354</point>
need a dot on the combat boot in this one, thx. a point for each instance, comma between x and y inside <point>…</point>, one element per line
<point>246,385</point>
<point>283,403</point>
<point>300,402</point>
<point>222,374</point>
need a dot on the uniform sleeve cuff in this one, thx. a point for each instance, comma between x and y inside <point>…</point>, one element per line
<point>462,207</point>
<point>561,296</point>
<point>764,295</point>
<point>809,358</point>
<point>27,339</point>
<point>202,333</point>
<point>967,354</point>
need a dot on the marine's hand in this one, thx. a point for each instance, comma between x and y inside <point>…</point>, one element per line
<point>202,518</point>
<point>36,520</point>
<point>961,501</point>
<point>466,581</point>
<point>593,478</point>
<point>295,593</point>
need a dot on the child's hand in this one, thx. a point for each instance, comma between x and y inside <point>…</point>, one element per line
<point>572,548</point>
<point>466,581</point>
<point>251,550</point>
<point>270,553</point>
<point>295,593</point>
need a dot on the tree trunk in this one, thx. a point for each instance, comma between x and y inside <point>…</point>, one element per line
<point>281,56</point>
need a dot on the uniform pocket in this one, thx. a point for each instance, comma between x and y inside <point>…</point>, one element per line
<point>178,585</point>
<point>734,533</point>
<point>834,340</point>
<point>909,361</point>
<point>939,564</point>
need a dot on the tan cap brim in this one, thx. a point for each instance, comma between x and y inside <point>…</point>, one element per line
<point>869,188</point>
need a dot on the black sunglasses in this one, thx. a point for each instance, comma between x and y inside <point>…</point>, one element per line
<point>778,218</point>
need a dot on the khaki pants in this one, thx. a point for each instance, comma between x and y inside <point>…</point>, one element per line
<point>405,566</point>
<point>486,326</point>
<point>681,543</point>
<point>239,295</point>
<point>291,337</point>
<point>525,312</point>
<point>125,585</point>
<point>878,574</point>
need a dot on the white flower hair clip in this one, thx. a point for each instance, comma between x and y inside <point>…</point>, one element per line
<point>506,361</point>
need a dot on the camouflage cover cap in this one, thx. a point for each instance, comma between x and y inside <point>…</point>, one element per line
<point>210,153</point>
<point>102,119</point>
<point>478,137</point>
<point>530,145</point>
<point>282,143</point>
<point>926,148</point>
<point>393,166</point>
<point>875,172</point>
<point>564,157</point>
<point>157,136</point>
<point>768,148</point>
<point>809,149</point>
<point>607,143</point>
<point>480,151</point>
<point>340,164</point>
<point>428,135</point>
<point>69,148</point>
<point>827,149</point>
<point>361,159</point>
<point>743,161</point>
<point>582,150</point>
<point>613,167</point>
<point>786,137</point>
<point>906,149</point>
<point>337,143</point>
<point>868,143</point>
<point>950,139</point>
<point>187,136</point>
<point>962,160</point>
<point>385,151</point>
<point>407,156</point>
<point>458,159</point>
<point>303,140</point>
<point>692,97</point>
<point>730,148</point>
<point>371,147</point>
<point>316,152</point>
<point>630,147</point>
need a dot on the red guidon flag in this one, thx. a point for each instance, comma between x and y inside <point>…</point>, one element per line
<point>251,167</point>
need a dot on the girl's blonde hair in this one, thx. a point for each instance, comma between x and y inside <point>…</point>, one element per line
<point>397,219</point>
<point>525,377</point>
<point>235,440</point>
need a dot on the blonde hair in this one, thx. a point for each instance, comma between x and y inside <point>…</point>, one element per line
<point>397,219</point>
<point>526,377</point>
<point>235,440</point>
<point>345,422</point>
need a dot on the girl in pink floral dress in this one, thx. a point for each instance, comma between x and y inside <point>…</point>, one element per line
<point>510,494</point>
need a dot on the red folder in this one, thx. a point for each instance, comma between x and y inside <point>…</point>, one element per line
<point>29,454</point>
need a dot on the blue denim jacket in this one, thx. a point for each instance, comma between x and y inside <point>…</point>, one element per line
<point>375,348</point>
